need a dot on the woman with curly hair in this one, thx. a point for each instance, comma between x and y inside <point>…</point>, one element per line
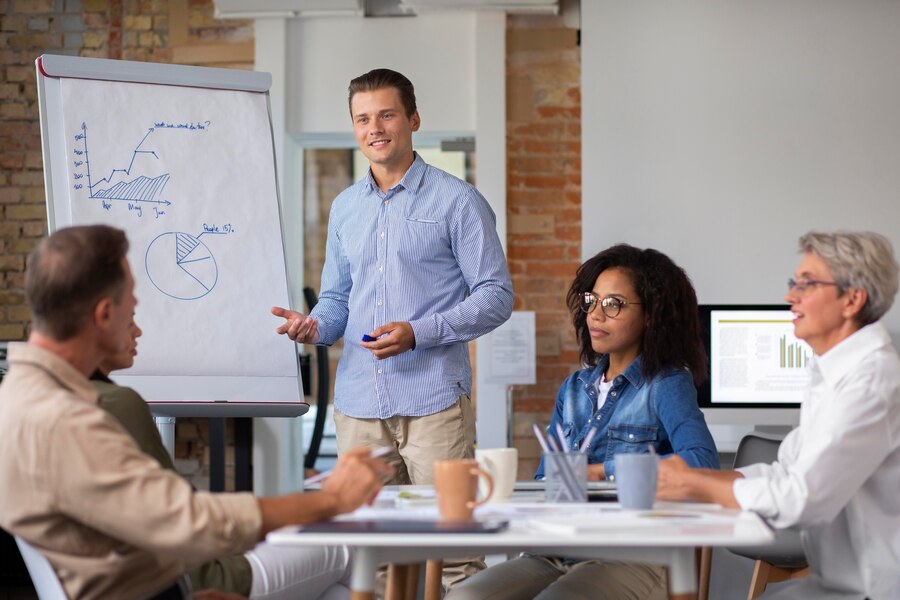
<point>635,317</point>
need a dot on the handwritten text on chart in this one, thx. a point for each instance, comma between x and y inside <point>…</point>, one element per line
<point>226,228</point>
<point>201,125</point>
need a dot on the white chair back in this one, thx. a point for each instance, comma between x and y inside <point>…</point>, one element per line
<point>46,583</point>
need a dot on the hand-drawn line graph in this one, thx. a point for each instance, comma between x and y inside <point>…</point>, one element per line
<point>128,183</point>
<point>139,189</point>
<point>181,266</point>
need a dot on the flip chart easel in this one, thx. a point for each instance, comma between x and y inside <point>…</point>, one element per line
<point>182,159</point>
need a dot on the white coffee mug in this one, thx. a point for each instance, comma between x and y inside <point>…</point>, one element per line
<point>503,466</point>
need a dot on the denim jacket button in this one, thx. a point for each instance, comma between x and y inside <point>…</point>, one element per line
<point>630,436</point>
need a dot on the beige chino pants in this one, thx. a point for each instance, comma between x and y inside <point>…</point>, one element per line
<point>418,442</point>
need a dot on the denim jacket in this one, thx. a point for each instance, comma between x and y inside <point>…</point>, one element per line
<point>662,411</point>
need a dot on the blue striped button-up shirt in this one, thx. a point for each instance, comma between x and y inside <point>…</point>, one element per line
<point>426,252</point>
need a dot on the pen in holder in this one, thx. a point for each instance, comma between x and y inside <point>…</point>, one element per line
<point>566,476</point>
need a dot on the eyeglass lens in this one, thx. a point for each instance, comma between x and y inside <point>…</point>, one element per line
<point>610,305</point>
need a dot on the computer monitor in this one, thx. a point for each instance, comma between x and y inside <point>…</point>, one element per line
<point>758,370</point>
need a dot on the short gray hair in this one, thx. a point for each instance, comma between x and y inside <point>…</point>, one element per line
<point>859,259</point>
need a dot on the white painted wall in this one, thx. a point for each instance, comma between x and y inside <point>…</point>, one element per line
<point>436,52</point>
<point>720,131</point>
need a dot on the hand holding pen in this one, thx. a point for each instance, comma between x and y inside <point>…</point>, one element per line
<point>372,453</point>
<point>356,478</point>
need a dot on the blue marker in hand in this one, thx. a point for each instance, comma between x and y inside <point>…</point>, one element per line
<point>368,338</point>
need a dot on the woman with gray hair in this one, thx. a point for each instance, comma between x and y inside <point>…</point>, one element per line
<point>837,476</point>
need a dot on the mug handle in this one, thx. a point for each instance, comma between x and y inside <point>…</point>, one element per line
<point>490,483</point>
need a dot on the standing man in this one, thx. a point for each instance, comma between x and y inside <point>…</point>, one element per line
<point>837,476</point>
<point>413,270</point>
<point>112,522</point>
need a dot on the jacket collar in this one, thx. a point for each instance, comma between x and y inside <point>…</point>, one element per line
<point>633,372</point>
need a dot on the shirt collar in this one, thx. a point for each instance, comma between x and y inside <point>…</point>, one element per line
<point>65,374</point>
<point>410,180</point>
<point>845,356</point>
<point>633,372</point>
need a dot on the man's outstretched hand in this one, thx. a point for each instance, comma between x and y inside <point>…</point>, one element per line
<point>298,327</point>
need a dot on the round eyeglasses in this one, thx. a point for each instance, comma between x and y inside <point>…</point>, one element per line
<point>610,305</point>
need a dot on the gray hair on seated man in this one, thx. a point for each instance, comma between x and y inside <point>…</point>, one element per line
<point>69,271</point>
<point>859,260</point>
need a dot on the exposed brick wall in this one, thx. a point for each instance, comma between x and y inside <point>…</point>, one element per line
<point>543,139</point>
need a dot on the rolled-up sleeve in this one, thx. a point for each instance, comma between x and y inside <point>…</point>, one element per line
<point>824,463</point>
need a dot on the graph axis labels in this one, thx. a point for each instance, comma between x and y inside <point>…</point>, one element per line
<point>181,266</point>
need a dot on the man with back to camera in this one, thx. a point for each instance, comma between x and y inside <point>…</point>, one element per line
<point>413,271</point>
<point>837,476</point>
<point>111,521</point>
<point>265,572</point>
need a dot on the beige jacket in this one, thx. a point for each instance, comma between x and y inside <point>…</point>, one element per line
<point>75,485</point>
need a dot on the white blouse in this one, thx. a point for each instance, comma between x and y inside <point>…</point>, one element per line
<point>838,474</point>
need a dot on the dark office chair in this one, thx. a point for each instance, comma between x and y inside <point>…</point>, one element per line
<point>323,383</point>
<point>780,561</point>
<point>785,558</point>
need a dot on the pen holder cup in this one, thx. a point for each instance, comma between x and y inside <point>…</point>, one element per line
<point>566,477</point>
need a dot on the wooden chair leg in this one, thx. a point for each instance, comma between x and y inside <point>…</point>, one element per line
<point>760,579</point>
<point>704,560</point>
<point>765,573</point>
<point>433,569</point>
<point>396,582</point>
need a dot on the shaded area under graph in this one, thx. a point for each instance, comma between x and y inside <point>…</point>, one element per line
<point>139,190</point>
<point>181,266</point>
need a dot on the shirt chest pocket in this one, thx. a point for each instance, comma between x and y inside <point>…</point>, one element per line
<point>423,239</point>
<point>634,439</point>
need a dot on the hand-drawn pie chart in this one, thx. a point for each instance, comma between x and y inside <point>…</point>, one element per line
<point>181,266</point>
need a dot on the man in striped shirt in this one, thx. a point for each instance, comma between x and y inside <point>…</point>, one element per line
<point>413,271</point>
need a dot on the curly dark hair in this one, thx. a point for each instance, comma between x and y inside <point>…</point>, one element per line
<point>672,328</point>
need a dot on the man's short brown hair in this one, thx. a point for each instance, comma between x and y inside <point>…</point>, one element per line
<point>69,272</point>
<point>378,79</point>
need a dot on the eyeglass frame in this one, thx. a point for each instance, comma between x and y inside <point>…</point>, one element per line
<point>801,285</point>
<point>602,302</point>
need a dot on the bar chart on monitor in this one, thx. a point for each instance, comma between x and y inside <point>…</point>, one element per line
<point>755,357</point>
